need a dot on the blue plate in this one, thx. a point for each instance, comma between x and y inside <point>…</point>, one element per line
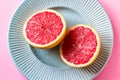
<point>39,64</point>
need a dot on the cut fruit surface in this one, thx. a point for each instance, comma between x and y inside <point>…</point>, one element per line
<point>45,29</point>
<point>81,46</point>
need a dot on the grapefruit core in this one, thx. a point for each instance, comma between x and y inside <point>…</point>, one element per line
<point>45,29</point>
<point>81,46</point>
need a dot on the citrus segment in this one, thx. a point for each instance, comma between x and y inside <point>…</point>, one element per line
<point>45,29</point>
<point>81,46</point>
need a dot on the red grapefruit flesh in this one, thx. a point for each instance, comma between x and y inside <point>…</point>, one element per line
<point>45,29</point>
<point>81,46</point>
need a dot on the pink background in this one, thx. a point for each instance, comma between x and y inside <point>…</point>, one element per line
<point>8,70</point>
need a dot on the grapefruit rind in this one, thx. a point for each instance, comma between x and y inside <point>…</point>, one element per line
<point>54,42</point>
<point>93,57</point>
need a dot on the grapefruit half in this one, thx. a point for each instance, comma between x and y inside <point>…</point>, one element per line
<point>45,29</point>
<point>81,46</point>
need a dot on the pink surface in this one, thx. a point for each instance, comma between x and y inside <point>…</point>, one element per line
<point>8,70</point>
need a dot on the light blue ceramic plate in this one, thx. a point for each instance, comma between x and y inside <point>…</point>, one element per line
<point>39,64</point>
